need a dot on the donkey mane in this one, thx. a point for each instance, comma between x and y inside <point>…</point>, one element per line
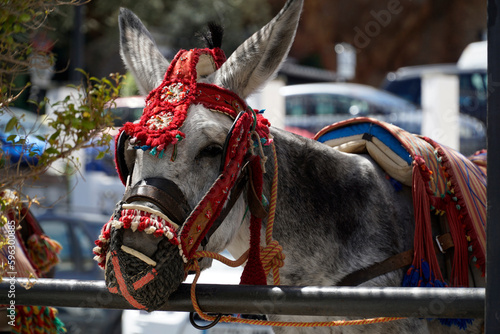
<point>213,36</point>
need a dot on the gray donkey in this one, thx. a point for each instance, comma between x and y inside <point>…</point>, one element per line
<point>335,212</point>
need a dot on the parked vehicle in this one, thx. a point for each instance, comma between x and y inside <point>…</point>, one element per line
<point>128,109</point>
<point>311,107</point>
<point>474,56</point>
<point>31,127</point>
<point>76,232</point>
<point>406,82</point>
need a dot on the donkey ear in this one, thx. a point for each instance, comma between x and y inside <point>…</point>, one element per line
<point>140,53</point>
<point>259,57</point>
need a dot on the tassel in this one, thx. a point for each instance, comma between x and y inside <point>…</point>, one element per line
<point>460,268</point>
<point>254,271</point>
<point>460,323</point>
<point>425,269</point>
<point>43,252</point>
<point>37,319</point>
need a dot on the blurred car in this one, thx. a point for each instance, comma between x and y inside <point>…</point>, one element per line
<point>406,82</point>
<point>474,56</point>
<point>105,164</point>
<point>159,322</point>
<point>76,232</point>
<point>311,107</point>
<point>31,127</point>
<point>128,109</point>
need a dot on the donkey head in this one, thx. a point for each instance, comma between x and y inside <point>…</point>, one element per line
<point>181,161</point>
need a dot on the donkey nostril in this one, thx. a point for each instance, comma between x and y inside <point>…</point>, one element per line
<point>141,242</point>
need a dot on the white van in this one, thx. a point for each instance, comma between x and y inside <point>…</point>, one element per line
<point>471,70</point>
<point>474,56</point>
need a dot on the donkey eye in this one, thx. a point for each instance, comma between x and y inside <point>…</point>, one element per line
<point>210,151</point>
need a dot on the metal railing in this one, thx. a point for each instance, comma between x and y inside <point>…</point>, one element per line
<point>339,301</point>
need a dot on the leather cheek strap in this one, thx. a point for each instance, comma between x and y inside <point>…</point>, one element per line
<point>238,188</point>
<point>164,194</point>
<point>121,163</point>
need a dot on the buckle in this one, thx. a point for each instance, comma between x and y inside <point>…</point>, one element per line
<point>444,242</point>
<point>439,245</point>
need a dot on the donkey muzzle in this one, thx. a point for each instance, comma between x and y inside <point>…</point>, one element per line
<point>145,282</point>
<point>143,263</point>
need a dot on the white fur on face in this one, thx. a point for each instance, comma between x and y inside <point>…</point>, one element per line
<point>194,175</point>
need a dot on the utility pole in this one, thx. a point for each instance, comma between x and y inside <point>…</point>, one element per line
<point>77,46</point>
<point>492,303</point>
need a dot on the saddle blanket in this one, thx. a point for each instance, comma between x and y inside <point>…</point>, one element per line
<point>443,182</point>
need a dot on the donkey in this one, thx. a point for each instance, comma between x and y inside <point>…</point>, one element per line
<point>335,212</point>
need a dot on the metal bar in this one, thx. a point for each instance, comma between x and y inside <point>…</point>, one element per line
<point>229,299</point>
<point>492,304</point>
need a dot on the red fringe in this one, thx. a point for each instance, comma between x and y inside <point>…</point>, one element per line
<point>463,220</point>
<point>423,242</point>
<point>460,268</point>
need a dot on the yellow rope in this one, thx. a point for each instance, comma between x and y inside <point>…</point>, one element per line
<point>272,257</point>
<point>277,261</point>
<point>228,318</point>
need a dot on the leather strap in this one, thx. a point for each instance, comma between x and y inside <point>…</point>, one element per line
<point>164,194</point>
<point>235,194</point>
<point>121,164</point>
<point>390,264</point>
<point>380,268</point>
<point>255,202</point>
<point>444,242</point>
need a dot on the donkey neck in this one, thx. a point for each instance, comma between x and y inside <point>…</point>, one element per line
<point>325,198</point>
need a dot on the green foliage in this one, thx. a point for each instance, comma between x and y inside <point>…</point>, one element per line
<point>129,86</point>
<point>83,124</point>
<point>18,20</point>
<point>79,121</point>
<point>173,23</point>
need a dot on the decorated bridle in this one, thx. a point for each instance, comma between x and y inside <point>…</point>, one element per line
<point>160,126</point>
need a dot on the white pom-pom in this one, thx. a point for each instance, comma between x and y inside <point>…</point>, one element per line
<point>117,224</point>
<point>150,230</point>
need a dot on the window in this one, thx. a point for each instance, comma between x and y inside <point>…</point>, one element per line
<point>85,246</point>
<point>60,232</point>
<point>325,104</point>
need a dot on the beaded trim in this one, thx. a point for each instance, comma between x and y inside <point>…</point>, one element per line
<point>137,218</point>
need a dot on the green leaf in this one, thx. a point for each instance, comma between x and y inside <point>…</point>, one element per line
<point>88,124</point>
<point>11,124</point>
<point>24,17</point>
<point>81,71</point>
<point>106,81</point>
<point>55,135</point>
<point>52,150</point>
<point>11,138</point>
<point>100,155</point>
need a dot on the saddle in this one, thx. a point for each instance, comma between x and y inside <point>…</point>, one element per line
<point>443,183</point>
